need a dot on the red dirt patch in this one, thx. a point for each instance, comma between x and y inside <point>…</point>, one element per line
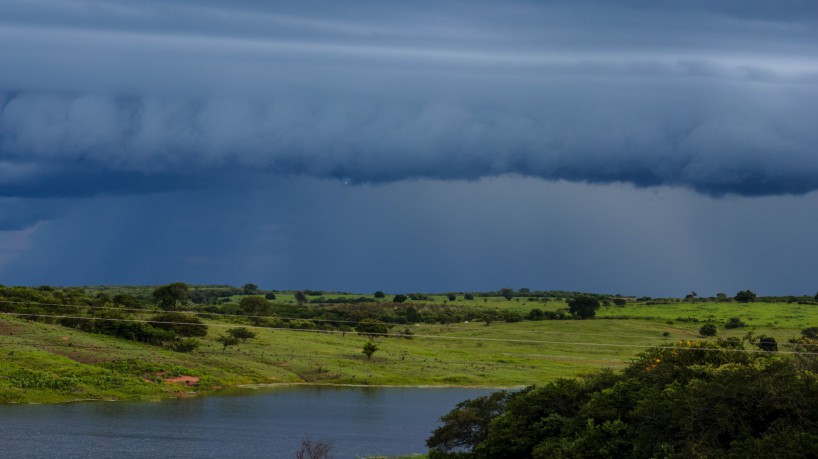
<point>187,380</point>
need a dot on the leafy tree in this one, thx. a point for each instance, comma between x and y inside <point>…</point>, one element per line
<point>745,296</point>
<point>536,314</point>
<point>583,306</point>
<point>694,400</point>
<point>451,297</point>
<point>468,423</point>
<point>379,294</point>
<point>721,297</point>
<point>250,289</point>
<point>235,336</point>
<point>371,327</point>
<point>470,296</point>
<point>810,332</point>
<point>767,343</point>
<point>170,297</point>
<point>734,322</point>
<point>270,296</point>
<point>399,298</point>
<point>180,323</point>
<point>708,330</point>
<point>489,317</point>
<point>227,340</point>
<point>186,345</point>
<point>254,306</point>
<point>128,301</point>
<point>300,297</point>
<point>369,349</point>
<point>412,314</point>
<point>241,333</point>
<point>816,297</point>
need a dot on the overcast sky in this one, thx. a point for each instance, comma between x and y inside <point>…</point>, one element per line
<point>635,147</point>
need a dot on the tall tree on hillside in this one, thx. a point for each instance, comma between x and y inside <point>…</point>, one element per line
<point>300,297</point>
<point>399,298</point>
<point>254,305</point>
<point>745,296</point>
<point>584,306</point>
<point>170,297</point>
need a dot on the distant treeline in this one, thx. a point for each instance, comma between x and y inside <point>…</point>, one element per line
<point>139,313</point>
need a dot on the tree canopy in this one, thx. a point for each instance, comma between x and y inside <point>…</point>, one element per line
<point>371,327</point>
<point>697,400</point>
<point>170,297</point>
<point>180,323</point>
<point>254,305</point>
<point>583,306</point>
<point>745,296</point>
<point>399,298</point>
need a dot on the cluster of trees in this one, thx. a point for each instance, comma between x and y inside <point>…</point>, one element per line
<point>698,400</point>
<point>113,316</point>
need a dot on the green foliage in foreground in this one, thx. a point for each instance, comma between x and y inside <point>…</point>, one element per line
<point>699,400</point>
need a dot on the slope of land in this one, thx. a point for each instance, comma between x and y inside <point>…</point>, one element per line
<point>48,362</point>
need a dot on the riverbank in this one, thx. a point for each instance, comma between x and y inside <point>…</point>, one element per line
<point>46,363</point>
<point>355,422</point>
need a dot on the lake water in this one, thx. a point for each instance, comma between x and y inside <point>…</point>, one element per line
<point>269,423</point>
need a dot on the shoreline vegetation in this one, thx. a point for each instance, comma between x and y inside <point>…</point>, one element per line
<point>129,343</point>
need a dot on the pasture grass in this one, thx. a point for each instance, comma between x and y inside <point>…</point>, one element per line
<point>50,363</point>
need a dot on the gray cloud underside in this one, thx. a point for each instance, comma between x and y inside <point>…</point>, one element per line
<point>108,97</point>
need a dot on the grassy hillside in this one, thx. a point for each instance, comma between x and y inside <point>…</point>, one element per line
<point>47,362</point>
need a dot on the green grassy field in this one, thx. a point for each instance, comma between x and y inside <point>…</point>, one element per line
<point>49,363</point>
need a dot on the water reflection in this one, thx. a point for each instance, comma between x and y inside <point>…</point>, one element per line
<point>268,422</point>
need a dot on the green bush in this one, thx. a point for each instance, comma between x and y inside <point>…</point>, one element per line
<point>180,323</point>
<point>692,400</point>
<point>707,330</point>
<point>186,345</point>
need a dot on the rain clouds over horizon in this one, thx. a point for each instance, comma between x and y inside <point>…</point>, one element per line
<point>156,108</point>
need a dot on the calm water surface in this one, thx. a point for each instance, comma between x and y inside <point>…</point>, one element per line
<point>356,421</point>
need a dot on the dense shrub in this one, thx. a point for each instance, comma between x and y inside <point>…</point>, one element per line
<point>697,400</point>
<point>180,323</point>
<point>707,330</point>
<point>583,307</point>
<point>767,343</point>
<point>745,296</point>
<point>186,345</point>
<point>371,327</point>
<point>119,324</point>
<point>810,332</point>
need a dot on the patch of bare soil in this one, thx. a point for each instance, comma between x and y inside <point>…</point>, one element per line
<point>187,380</point>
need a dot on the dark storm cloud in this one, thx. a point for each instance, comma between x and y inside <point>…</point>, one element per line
<point>114,97</point>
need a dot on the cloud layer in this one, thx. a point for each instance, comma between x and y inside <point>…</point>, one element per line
<point>111,97</point>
